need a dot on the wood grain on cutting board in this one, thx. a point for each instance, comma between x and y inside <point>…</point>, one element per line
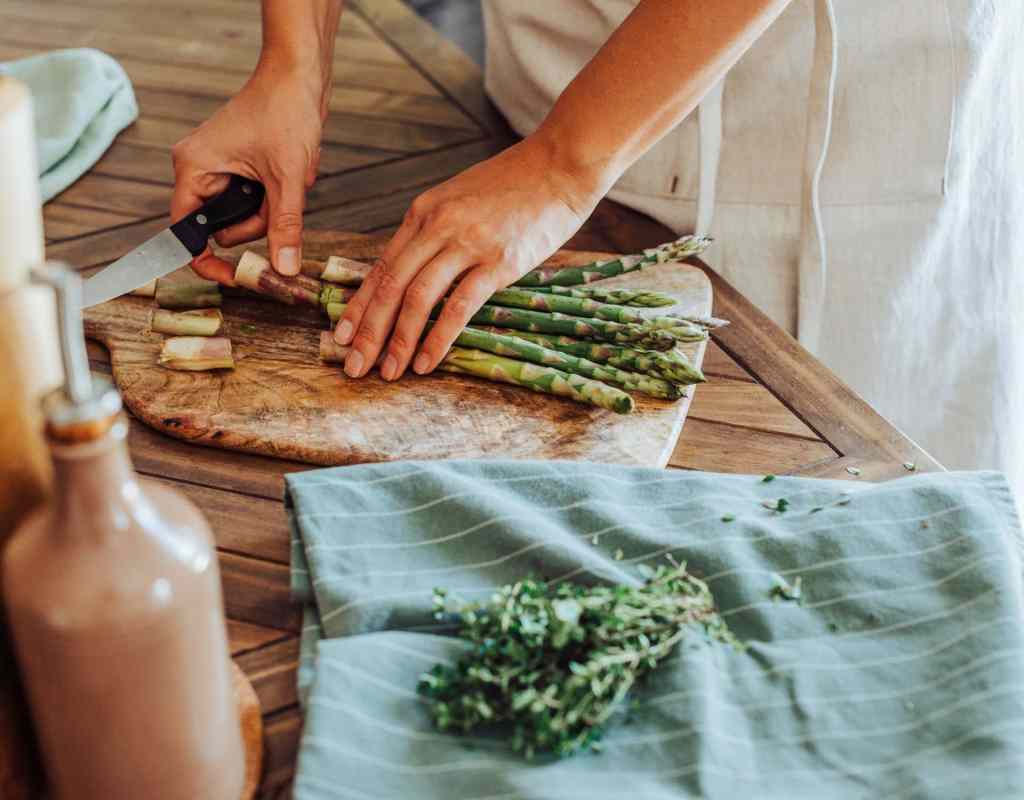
<point>280,400</point>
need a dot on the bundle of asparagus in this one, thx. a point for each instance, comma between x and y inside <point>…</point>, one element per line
<point>559,339</point>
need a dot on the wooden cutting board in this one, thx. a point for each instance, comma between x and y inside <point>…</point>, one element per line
<point>282,401</point>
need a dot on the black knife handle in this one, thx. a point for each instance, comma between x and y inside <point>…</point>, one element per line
<point>238,202</point>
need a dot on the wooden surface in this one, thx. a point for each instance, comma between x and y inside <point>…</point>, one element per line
<point>282,401</point>
<point>408,110</point>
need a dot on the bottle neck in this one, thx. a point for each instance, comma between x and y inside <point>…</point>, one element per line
<point>97,493</point>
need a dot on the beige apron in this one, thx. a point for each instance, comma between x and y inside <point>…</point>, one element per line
<point>862,170</point>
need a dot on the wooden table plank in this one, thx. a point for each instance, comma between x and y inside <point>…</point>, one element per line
<point>747,405</point>
<point>62,220</point>
<point>244,636</point>
<point>720,447</point>
<point>374,135</point>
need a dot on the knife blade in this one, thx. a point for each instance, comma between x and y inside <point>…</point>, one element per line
<point>176,246</point>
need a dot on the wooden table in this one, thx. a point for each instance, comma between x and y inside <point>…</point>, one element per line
<point>408,110</point>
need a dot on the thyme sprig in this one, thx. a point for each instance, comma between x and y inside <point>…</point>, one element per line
<point>555,662</point>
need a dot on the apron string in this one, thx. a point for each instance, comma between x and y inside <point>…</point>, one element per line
<point>813,265</point>
<point>709,144</point>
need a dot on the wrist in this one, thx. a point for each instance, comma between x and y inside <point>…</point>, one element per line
<point>586,169</point>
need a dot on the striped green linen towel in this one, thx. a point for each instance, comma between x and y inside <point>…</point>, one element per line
<point>900,675</point>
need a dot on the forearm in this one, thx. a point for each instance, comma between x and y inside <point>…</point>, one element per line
<point>645,80</point>
<point>300,36</point>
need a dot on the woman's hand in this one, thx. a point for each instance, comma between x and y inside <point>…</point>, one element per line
<point>270,132</point>
<point>483,229</point>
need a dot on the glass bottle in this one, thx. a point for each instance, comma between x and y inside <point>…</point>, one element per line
<point>114,600</point>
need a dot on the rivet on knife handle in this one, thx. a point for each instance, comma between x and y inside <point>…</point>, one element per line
<point>238,202</point>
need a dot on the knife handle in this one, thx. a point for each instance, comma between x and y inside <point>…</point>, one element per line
<point>238,202</point>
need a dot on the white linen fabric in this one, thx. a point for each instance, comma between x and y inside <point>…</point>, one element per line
<point>867,190</point>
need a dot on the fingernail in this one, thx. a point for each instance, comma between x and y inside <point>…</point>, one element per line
<point>343,333</point>
<point>421,364</point>
<point>354,364</point>
<point>387,372</point>
<point>288,261</point>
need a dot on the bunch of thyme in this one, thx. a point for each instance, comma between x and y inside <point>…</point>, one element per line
<point>555,662</point>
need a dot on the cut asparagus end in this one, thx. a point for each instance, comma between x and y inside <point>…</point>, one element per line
<point>187,294</point>
<point>335,310</point>
<point>330,293</point>
<point>254,272</point>
<point>197,322</point>
<point>345,271</point>
<point>196,353</point>
<point>148,290</point>
<point>330,350</point>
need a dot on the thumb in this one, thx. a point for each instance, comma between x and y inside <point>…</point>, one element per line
<point>284,225</point>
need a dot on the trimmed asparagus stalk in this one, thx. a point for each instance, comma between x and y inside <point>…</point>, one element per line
<point>546,380</point>
<point>680,249</point>
<point>705,322</point>
<point>198,322</point>
<point>540,322</point>
<point>493,367</point>
<point>671,366</point>
<point>256,273</point>
<point>603,330</point>
<point>196,353</point>
<point>187,294</point>
<point>514,347</point>
<point>148,290</point>
<point>338,269</point>
<point>623,297</point>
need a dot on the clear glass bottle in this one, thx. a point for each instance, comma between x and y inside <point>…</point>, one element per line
<point>114,600</point>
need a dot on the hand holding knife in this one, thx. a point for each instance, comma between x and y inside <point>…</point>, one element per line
<point>178,245</point>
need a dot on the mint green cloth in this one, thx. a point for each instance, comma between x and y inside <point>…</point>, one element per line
<point>901,674</point>
<point>82,100</point>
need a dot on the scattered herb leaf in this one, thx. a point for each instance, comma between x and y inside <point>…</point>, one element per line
<point>816,509</point>
<point>768,478</point>
<point>554,663</point>
<point>845,501</point>
<point>781,505</point>
<point>909,466</point>
<point>782,590</point>
<point>853,471</point>
<point>728,518</point>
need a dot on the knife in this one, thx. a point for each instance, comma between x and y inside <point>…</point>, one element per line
<point>176,246</point>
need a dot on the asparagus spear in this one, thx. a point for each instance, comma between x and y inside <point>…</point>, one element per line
<point>186,294</point>
<point>672,365</point>
<point>705,322</point>
<point>198,322</point>
<point>539,378</point>
<point>196,353</point>
<point>540,322</point>
<point>573,276</point>
<point>539,301</point>
<point>338,269</point>
<point>619,296</point>
<point>256,273</point>
<point>147,290</point>
<point>546,380</point>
